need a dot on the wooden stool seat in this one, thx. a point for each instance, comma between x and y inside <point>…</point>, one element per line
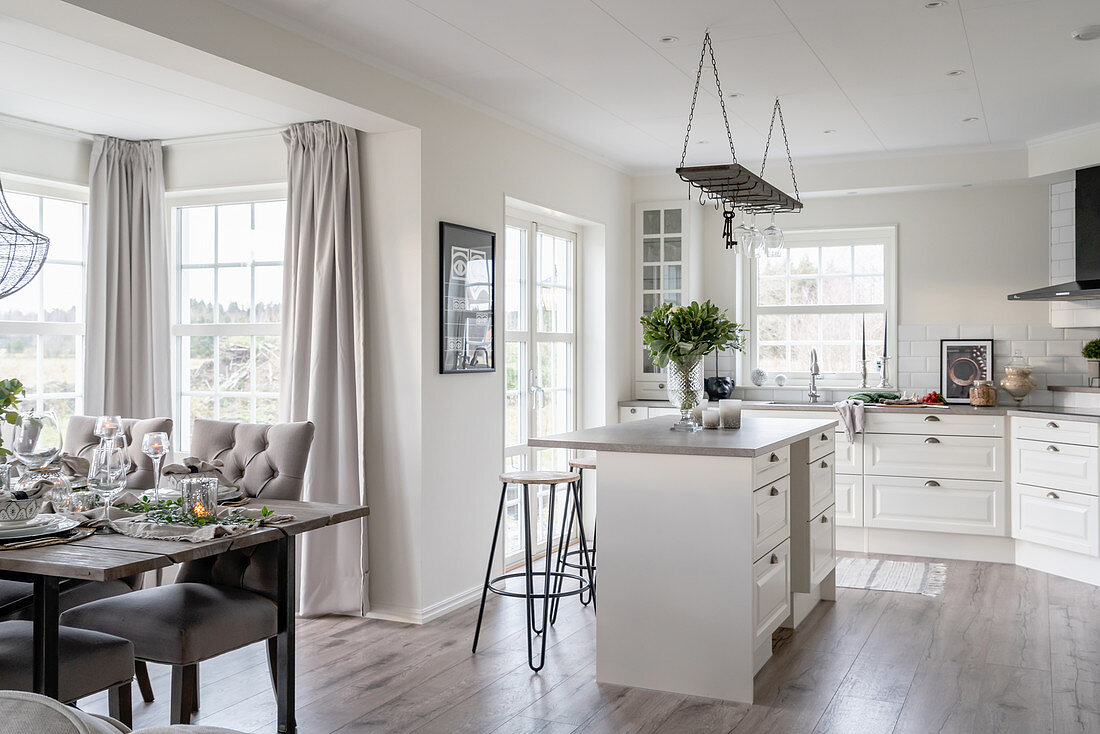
<point>580,463</point>
<point>539,477</point>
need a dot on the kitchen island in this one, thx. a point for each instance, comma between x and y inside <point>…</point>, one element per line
<point>708,542</point>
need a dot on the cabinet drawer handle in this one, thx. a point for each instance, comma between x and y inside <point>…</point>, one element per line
<point>1053,449</point>
<point>931,483</point>
<point>633,411</point>
<point>932,418</point>
<point>661,386</point>
<point>1053,496</point>
<point>1051,424</point>
<point>775,558</point>
<point>824,519</point>
<point>824,437</point>
<point>931,439</point>
<point>774,492</point>
<point>773,458</point>
<point>824,465</point>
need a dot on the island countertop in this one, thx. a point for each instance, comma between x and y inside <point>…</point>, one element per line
<point>755,437</point>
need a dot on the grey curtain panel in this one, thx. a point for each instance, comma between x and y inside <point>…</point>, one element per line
<point>323,352</point>
<point>127,369</point>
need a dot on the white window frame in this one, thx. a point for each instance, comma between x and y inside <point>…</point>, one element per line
<point>840,236</point>
<point>68,192</point>
<point>174,202</point>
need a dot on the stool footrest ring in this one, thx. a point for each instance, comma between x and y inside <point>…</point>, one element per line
<point>535,593</point>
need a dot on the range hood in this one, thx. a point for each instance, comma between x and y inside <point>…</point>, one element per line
<point>1086,250</point>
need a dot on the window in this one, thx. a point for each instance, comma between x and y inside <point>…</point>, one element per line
<point>42,325</point>
<point>230,285</point>
<point>817,295</point>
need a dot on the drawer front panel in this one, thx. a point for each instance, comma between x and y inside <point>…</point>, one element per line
<point>955,457</point>
<point>1062,466</point>
<point>822,545</point>
<point>849,456</point>
<point>849,500</point>
<point>821,444</point>
<point>822,493</point>
<point>771,591</point>
<point>924,421</point>
<point>771,466</point>
<point>771,522</point>
<point>632,414</point>
<point>658,412</point>
<point>943,505</point>
<point>1056,430</point>
<point>1064,520</point>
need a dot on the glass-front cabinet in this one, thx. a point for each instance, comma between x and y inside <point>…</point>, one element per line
<point>666,236</point>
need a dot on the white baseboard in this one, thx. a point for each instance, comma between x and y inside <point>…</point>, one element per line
<point>411,615</point>
<point>1058,562</point>
<point>954,546</point>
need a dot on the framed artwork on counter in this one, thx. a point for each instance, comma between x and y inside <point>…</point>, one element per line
<point>962,361</point>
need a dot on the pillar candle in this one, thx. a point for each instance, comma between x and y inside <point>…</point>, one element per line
<point>730,411</point>
<point>711,418</point>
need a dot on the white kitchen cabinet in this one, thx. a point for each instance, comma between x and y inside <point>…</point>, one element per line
<point>771,510</point>
<point>771,592</point>
<point>632,413</point>
<point>934,455</point>
<point>921,421</point>
<point>822,545</point>
<point>821,444</point>
<point>943,505</point>
<point>822,485</point>
<point>849,456</point>
<point>1056,430</point>
<point>1061,466</point>
<point>849,500</point>
<point>1065,520</point>
<point>772,465</point>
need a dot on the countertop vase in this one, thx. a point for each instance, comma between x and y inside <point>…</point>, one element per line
<point>685,390</point>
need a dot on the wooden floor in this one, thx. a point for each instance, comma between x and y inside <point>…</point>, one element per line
<point>1003,650</point>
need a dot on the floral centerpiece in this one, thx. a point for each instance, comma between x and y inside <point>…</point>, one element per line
<point>678,337</point>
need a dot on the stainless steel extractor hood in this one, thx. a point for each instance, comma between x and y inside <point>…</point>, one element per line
<point>1086,249</point>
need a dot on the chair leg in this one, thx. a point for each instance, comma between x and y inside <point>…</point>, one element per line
<point>183,693</point>
<point>588,562</point>
<point>489,569</point>
<point>119,704</point>
<point>141,672</point>
<point>195,688</point>
<point>273,662</point>
<point>565,539</point>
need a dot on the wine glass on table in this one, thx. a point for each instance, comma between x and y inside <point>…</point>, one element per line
<point>107,470</point>
<point>155,446</point>
<point>108,426</point>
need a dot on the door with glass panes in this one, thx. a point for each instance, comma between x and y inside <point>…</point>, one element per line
<point>540,363</point>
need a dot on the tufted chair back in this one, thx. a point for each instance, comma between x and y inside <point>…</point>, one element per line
<point>267,461</point>
<point>80,440</point>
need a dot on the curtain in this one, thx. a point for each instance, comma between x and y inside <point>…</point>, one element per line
<point>127,369</point>
<point>323,351</point>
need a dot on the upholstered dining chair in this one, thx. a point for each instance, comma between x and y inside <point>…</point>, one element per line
<point>22,712</point>
<point>223,602</point>
<point>80,439</point>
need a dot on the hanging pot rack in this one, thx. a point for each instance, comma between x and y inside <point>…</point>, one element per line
<point>732,186</point>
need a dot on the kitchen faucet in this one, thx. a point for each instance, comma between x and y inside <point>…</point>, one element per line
<point>814,372</point>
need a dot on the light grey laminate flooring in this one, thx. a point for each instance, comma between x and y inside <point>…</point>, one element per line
<point>1004,649</point>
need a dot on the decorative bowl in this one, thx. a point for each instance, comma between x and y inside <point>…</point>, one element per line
<point>13,510</point>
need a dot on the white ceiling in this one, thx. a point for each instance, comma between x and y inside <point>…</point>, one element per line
<point>62,81</point>
<point>594,73</point>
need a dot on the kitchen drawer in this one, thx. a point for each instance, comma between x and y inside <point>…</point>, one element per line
<point>657,412</point>
<point>935,455</point>
<point>771,466</point>
<point>822,485</point>
<point>849,456</point>
<point>771,592</point>
<point>941,423</point>
<point>771,516</point>
<point>1063,466</point>
<point>821,444</point>
<point>1064,520</point>
<point>849,500</point>
<point>1056,430</point>
<point>633,413</point>
<point>943,505</point>
<point>822,545</point>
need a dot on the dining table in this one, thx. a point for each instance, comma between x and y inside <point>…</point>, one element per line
<point>106,556</point>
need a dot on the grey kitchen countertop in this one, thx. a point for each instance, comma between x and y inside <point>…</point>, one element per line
<point>755,437</point>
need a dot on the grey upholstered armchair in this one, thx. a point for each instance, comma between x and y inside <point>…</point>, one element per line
<point>80,440</point>
<point>223,602</point>
<point>22,712</point>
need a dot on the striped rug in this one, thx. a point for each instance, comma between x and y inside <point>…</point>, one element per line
<point>911,577</point>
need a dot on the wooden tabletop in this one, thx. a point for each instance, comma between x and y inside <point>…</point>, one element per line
<point>104,557</point>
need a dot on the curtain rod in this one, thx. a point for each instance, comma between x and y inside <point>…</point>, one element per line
<point>82,135</point>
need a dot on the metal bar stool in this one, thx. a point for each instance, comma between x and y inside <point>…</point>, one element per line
<point>586,561</point>
<point>526,480</point>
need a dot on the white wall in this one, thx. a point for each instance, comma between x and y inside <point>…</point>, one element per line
<point>229,162</point>
<point>40,152</point>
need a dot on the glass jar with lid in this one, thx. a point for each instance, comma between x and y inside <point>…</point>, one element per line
<point>983,393</point>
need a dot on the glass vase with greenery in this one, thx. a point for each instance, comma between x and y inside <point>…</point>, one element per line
<point>677,338</point>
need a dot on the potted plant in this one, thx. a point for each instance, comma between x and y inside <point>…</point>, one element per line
<point>11,393</point>
<point>677,338</point>
<point>1091,352</point>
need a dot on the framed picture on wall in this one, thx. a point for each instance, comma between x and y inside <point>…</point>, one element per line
<point>468,299</point>
<point>962,361</point>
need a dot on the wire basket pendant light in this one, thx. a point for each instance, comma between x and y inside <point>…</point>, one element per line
<point>22,250</point>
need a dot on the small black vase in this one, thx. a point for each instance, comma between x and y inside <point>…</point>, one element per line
<point>718,388</point>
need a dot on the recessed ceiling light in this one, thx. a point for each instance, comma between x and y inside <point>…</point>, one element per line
<point>956,72</point>
<point>669,39</point>
<point>970,119</point>
<point>935,4</point>
<point>966,186</point>
<point>701,142</point>
<point>828,132</point>
<point>735,95</point>
<point>1088,33</point>
<point>852,193</point>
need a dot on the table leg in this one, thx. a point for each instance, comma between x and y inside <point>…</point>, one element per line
<point>285,640</point>
<point>46,613</point>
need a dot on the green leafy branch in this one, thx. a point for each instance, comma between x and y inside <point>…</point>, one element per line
<point>688,333</point>
<point>12,393</point>
<point>171,512</point>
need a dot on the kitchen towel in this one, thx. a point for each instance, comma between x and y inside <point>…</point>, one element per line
<point>851,415</point>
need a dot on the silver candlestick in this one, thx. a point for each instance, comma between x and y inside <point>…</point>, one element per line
<point>884,372</point>
<point>863,372</point>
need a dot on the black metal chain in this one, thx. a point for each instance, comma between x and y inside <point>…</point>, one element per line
<point>707,45</point>
<point>777,110</point>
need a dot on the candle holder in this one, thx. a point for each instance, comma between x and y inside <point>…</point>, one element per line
<point>199,497</point>
<point>883,370</point>
<point>863,372</point>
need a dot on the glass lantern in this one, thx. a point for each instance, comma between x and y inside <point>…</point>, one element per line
<point>199,497</point>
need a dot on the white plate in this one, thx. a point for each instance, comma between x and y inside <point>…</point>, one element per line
<point>54,524</point>
<point>14,524</point>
